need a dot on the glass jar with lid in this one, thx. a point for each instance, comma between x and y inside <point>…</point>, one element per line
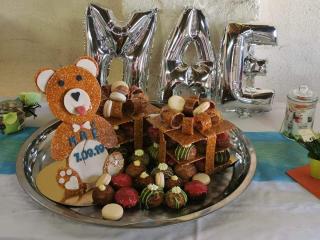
<point>300,111</point>
<point>12,116</point>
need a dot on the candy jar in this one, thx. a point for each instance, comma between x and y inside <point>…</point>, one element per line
<point>300,111</point>
<point>12,116</point>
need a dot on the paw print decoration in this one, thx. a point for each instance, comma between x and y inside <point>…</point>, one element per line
<point>68,179</point>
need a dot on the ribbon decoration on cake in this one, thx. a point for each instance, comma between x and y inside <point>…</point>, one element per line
<point>238,67</point>
<point>179,78</point>
<point>106,40</point>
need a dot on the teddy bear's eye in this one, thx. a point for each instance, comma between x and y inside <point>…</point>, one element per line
<point>79,77</point>
<point>61,83</point>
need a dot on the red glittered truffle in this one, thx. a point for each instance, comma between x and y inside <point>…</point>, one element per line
<point>121,180</point>
<point>127,197</point>
<point>196,190</point>
<point>223,140</point>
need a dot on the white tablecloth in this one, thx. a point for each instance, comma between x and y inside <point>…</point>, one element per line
<point>266,210</point>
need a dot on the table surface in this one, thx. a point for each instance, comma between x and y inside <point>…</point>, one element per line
<point>273,206</point>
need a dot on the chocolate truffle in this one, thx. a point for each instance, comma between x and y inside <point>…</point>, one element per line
<point>135,168</point>
<point>152,196</point>
<point>173,181</point>
<point>127,197</point>
<point>176,198</point>
<point>143,180</point>
<point>140,155</point>
<point>185,172</point>
<point>153,151</point>
<point>102,195</point>
<point>222,157</point>
<point>196,190</point>
<point>163,167</point>
<point>121,180</point>
<point>185,153</point>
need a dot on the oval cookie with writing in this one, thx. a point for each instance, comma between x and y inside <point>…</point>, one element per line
<point>87,159</point>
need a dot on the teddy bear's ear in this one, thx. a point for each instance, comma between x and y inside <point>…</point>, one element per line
<point>89,64</point>
<point>42,77</point>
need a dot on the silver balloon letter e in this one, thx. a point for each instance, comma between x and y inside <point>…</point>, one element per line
<point>238,67</point>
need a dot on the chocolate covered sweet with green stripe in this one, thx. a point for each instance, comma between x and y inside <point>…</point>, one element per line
<point>151,196</point>
<point>176,198</point>
<point>184,153</point>
<point>153,151</point>
<point>222,157</point>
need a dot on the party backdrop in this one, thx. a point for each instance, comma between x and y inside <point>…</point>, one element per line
<point>44,32</point>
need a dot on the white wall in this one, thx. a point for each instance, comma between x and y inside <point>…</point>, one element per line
<point>296,59</point>
<point>39,33</point>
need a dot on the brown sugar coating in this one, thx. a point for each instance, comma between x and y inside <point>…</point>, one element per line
<point>80,79</point>
<point>202,122</point>
<point>190,104</point>
<point>61,147</point>
<point>171,118</point>
<point>55,92</point>
<point>187,125</point>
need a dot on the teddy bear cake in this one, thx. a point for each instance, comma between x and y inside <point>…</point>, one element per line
<point>115,150</point>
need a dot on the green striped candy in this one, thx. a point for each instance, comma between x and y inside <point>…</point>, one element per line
<point>182,153</point>
<point>146,194</point>
<point>222,157</point>
<point>177,202</point>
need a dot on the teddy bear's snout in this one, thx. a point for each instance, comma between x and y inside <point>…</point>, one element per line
<point>75,96</point>
<point>77,101</point>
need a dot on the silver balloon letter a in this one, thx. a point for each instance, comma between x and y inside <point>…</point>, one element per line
<point>132,42</point>
<point>176,76</point>
<point>238,68</point>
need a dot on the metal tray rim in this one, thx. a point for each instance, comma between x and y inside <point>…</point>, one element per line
<point>64,211</point>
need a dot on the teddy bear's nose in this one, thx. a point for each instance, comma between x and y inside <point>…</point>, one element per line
<point>75,96</point>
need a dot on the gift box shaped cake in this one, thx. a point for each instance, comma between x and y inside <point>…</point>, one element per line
<point>116,150</point>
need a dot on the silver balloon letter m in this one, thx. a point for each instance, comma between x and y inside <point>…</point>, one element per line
<point>132,42</point>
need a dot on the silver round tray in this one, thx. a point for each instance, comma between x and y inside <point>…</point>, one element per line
<point>224,187</point>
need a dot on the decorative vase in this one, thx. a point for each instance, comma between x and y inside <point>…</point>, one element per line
<point>315,168</point>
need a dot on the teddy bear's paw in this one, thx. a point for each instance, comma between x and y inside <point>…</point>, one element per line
<point>69,179</point>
